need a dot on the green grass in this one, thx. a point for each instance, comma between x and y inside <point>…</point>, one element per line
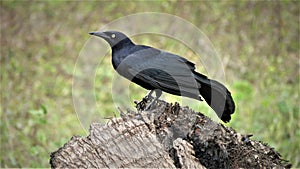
<point>40,43</point>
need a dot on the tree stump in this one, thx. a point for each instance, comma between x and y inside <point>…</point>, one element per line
<point>166,136</point>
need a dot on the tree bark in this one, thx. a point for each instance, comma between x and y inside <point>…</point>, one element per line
<point>167,136</point>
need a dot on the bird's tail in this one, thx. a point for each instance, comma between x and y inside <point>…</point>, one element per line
<point>217,97</point>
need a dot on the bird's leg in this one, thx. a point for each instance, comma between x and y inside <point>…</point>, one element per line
<point>149,95</point>
<point>158,93</point>
<point>142,104</point>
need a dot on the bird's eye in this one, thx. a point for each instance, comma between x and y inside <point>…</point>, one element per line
<point>113,35</point>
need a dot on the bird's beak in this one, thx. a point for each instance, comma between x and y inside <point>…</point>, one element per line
<point>100,34</point>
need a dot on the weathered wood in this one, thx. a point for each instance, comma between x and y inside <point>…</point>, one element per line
<point>167,136</point>
<point>186,155</point>
<point>117,144</point>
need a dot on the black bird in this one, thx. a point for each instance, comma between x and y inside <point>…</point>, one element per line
<point>158,71</point>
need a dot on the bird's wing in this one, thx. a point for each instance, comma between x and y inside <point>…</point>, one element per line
<point>162,70</point>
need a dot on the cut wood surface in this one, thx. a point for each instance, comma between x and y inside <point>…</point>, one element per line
<point>166,136</point>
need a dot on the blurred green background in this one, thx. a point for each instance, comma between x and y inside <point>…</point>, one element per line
<point>258,43</point>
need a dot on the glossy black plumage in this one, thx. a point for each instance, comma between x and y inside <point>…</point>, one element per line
<point>156,69</point>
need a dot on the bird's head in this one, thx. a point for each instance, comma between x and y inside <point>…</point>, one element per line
<point>112,37</point>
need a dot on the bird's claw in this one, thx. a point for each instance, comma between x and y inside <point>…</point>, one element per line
<point>142,105</point>
<point>148,97</point>
<point>150,104</point>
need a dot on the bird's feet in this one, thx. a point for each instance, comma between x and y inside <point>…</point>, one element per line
<point>148,98</point>
<point>142,105</point>
<point>149,105</point>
